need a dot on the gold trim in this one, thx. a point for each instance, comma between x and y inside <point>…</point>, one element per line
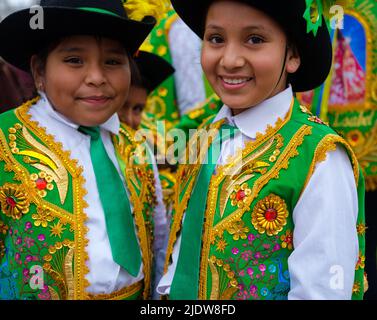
<point>281,163</point>
<point>328,143</point>
<point>138,202</point>
<point>210,231</point>
<point>79,216</point>
<point>22,174</point>
<point>122,294</point>
<point>180,206</point>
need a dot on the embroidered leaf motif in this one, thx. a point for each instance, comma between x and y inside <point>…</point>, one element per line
<point>242,170</point>
<point>49,163</point>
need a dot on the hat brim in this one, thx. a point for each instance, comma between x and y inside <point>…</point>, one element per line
<point>315,51</point>
<point>19,41</point>
<point>153,69</point>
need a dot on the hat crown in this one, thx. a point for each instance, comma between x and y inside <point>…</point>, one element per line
<point>113,6</point>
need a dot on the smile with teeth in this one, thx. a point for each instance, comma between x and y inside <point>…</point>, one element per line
<point>236,81</point>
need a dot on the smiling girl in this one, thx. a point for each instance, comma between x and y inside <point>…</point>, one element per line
<point>283,218</point>
<point>75,203</point>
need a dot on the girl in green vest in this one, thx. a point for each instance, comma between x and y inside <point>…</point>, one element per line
<point>273,207</point>
<point>81,216</point>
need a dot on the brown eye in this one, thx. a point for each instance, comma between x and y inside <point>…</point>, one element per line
<point>73,60</point>
<point>215,39</point>
<point>255,40</point>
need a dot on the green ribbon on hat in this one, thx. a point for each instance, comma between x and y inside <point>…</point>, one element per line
<point>313,15</point>
<point>97,10</point>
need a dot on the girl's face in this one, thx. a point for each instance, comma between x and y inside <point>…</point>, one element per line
<point>132,110</point>
<point>86,79</point>
<point>243,55</point>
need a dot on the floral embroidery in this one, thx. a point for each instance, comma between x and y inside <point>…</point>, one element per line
<point>3,228</point>
<point>238,230</point>
<point>270,215</point>
<point>42,182</point>
<point>256,268</point>
<point>287,240</point>
<point>356,288</point>
<point>312,117</point>
<point>13,201</point>
<point>317,120</point>
<point>361,228</point>
<point>240,195</point>
<point>221,245</point>
<point>360,262</point>
<point>57,229</point>
<point>42,217</point>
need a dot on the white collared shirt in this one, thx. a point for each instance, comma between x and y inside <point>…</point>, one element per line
<point>105,276</point>
<point>325,237</point>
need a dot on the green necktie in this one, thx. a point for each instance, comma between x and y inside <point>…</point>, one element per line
<point>185,285</point>
<point>119,221</point>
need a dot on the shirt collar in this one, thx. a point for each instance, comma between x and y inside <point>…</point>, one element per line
<point>112,124</point>
<point>257,118</point>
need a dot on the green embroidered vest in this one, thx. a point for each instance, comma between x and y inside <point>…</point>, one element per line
<point>42,213</point>
<point>248,230</point>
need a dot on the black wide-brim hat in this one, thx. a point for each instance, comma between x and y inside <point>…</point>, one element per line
<point>315,51</point>
<point>153,69</point>
<point>106,18</point>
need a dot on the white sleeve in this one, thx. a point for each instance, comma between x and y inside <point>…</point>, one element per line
<point>185,47</point>
<point>161,232</point>
<point>322,264</point>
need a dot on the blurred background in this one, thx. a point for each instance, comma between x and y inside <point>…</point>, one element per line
<point>8,6</point>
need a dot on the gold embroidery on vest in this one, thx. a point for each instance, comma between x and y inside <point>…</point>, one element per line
<point>59,265</point>
<point>270,215</point>
<point>14,202</point>
<point>328,143</point>
<point>186,177</point>
<point>180,206</point>
<point>255,162</point>
<point>138,196</point>
<point>211,232</point>
<point>221,274</point>
<point>28,185</point>
<point>78,218</point>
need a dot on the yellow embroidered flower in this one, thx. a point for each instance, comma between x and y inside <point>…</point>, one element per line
<point>356,288</point>
<point>287,240</point>
<point>42,182</point>
<point>361,228</point>
<point>360,262</point>
<point>270,215</point>
<point>3,228</point>
<point>221,245</point>
<point>13,201</point>
<point>238,230</point>
<point>42,217</point>
<point>240,195</point>
<point>162,91</point>
<point>355,138</point>
<point>57,229</point>
<point>161,50</point>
